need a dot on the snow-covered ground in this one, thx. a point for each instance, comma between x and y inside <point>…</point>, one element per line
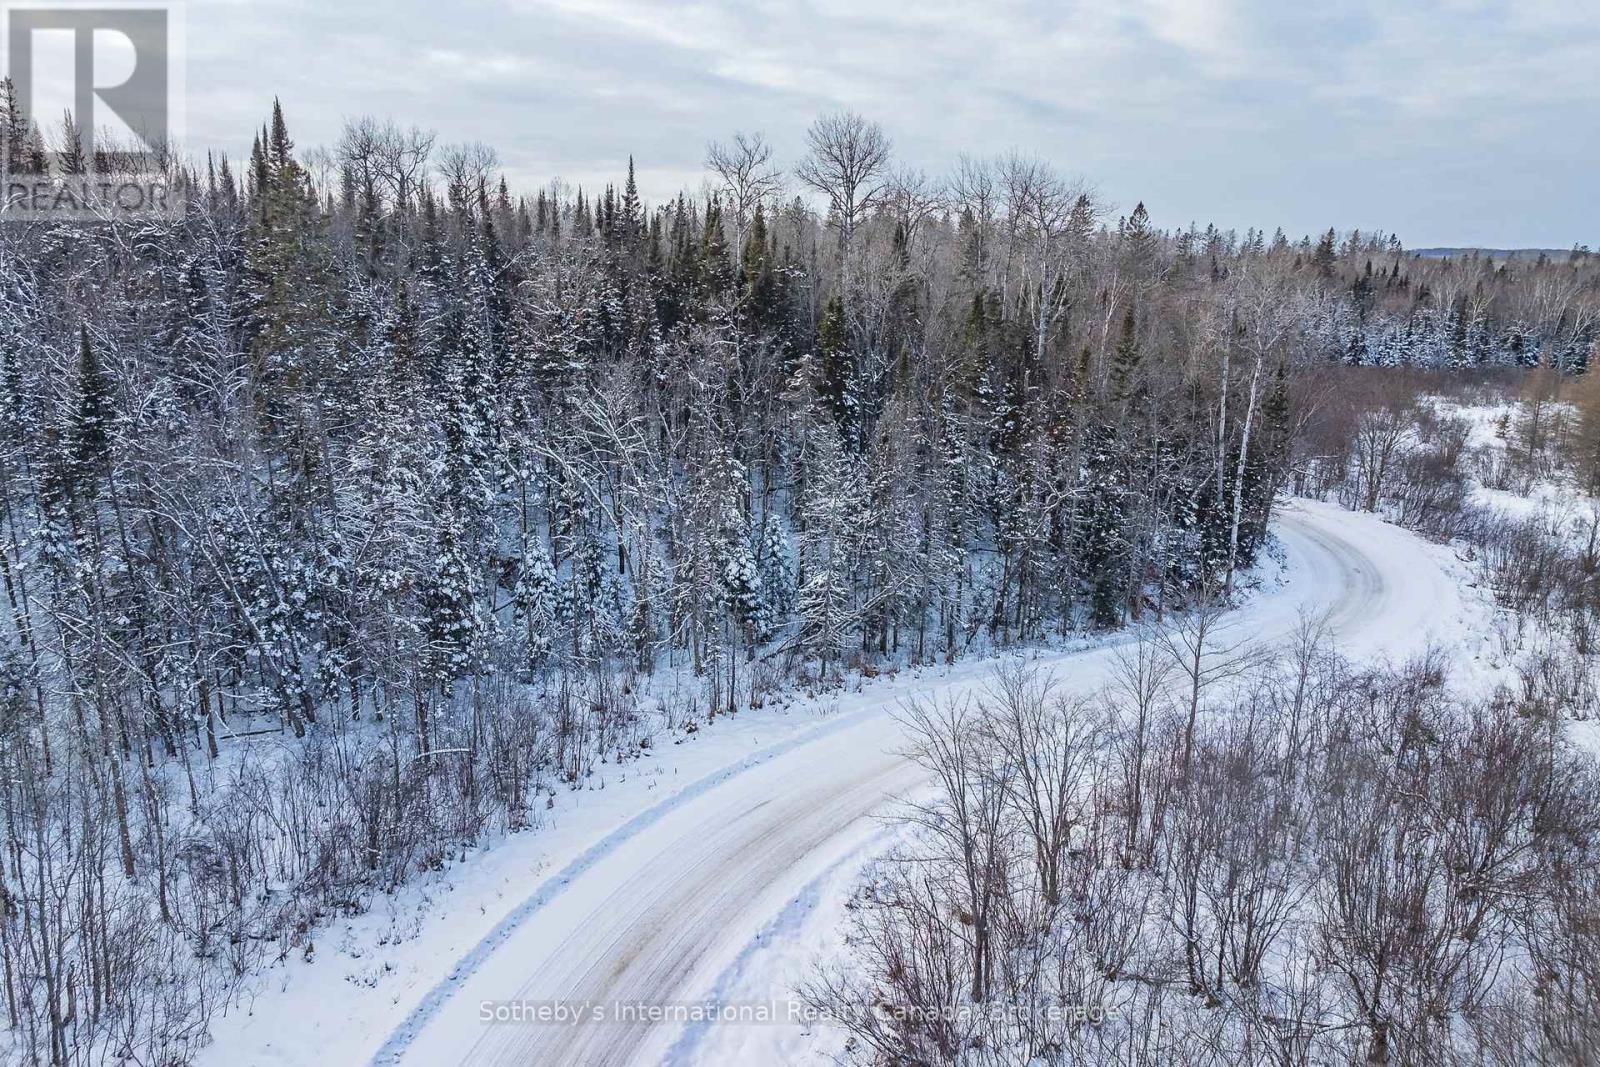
<point>1553,499</point>
<point>716,868</point>
<point>1488,425</point>
<point>1390,595</point>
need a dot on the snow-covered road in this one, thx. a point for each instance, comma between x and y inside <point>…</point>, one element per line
<point>659,909</point>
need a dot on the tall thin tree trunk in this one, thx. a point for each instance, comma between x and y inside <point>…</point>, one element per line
<point>1238,478</point>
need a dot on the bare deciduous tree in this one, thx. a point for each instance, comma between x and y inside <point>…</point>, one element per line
<point>1206,647</point>
<point>848,163</point>
<point>1052,745</point>
<point>968,819</point>
<point>744,167</point>
<point>467,170</point>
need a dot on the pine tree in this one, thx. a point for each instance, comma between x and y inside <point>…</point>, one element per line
<point>831,506</point>
<point>631,211</point>
<point>15,127</point>
<point>260,176</point>
<point>91,423</point>
<point>764,305</point>
<point>776,570</point>
<point>535,599</point>
<point>289,269</point>
<point>1102,547</point>
<point>742,591</point>
<point>1142,242</point>
<point>72,158</point>
<point>1326,257</point>
<point>716,269</point>
<point>835,365</point>
<point>452,626</point>
<point>1125,361</point>
<point>279,147</point>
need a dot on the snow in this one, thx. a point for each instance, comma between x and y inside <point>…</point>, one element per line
<point>344,1002</point>
<point>1552,496</point>
<point>776,962</point>
<point>1413,596</point>
<point>716,866</point>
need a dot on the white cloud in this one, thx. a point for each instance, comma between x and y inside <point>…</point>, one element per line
<point>1244,110</point>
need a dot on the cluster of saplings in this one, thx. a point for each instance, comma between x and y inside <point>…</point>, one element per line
<point>1338,865</point>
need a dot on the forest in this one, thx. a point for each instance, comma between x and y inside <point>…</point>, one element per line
<point>350,516</point>
<point>1230,854</point>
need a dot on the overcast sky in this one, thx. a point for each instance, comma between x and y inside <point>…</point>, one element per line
<point>1448,121</point>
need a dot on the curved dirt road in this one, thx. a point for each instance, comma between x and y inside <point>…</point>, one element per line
<point>655,916</point>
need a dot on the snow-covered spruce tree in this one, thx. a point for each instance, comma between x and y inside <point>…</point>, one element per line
<point>451,621</point>
<point>826,598</point>
<point>775,570</point>
<point>535,598</point>
<point>743,604</point>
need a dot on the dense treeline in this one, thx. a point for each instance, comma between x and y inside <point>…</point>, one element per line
<point>342,517</point>
<point>1387,309</point>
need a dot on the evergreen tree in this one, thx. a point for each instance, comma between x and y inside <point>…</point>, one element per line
<point>1326,256</point>
<point>452,626</point>
<point>91,423</point>
<point>825,597</point>
<point>631,220</point>
<point>776,570</point>
<point>833,347</point>
<point>1102,545</point>
<point>535,599</point>
<point>1125,361</point>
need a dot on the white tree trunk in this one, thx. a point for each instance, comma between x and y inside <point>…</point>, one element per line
<point>1238,478</point>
